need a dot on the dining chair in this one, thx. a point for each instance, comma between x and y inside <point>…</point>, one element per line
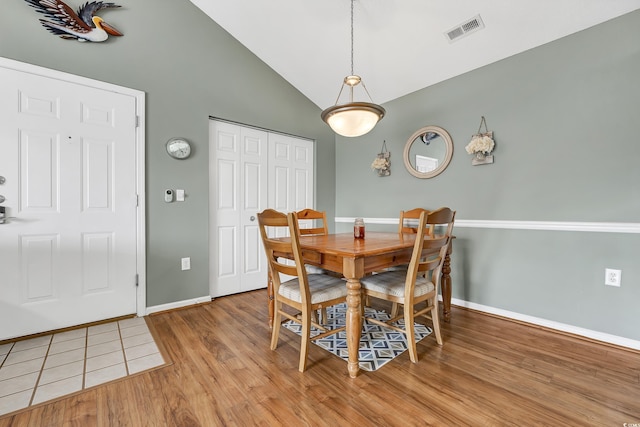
<point>305,292</point>
<point>314,223</point>
<point>419,282</point>
<point>408,223</point>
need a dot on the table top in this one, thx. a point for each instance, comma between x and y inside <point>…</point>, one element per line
<point>344,244</point>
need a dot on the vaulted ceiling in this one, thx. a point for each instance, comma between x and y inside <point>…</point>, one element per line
<point>400,46</point>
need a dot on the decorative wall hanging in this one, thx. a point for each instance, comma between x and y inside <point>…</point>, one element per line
<point>428,152</point>
<point>382,163</point>
<point>83,26</point>
<point>481,145</point>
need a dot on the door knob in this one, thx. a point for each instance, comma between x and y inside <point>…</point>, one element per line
<point>252,218</point>
<point>2,199</point>
<point>2,180</point>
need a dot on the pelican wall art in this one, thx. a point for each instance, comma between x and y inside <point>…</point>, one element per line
<point>84,26</point>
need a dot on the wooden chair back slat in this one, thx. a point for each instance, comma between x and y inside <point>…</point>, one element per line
<point>318,222</point>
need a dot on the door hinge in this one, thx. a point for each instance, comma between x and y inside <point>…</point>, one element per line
<point>137,121</point>
<point>137,280</point>
<point>137,200</point>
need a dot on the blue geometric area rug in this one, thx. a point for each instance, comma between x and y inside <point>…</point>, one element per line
<point>378,344</point>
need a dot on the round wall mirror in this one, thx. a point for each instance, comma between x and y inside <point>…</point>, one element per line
<point>428,152</point>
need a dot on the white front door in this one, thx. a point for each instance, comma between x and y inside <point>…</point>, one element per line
<point>237,192</point>
<point>68,249</point>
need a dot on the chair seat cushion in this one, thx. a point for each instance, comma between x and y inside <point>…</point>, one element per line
<point>322,287</point>
<point>312,269</point>
<point>392,283</point>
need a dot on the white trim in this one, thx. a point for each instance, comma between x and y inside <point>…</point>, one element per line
<point>61,75</point>
<point>603,227</point>
<point>141,257</point>
<point>599,336</point>
<point>178,304</point>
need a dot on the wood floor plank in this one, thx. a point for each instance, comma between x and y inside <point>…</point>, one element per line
<point>490,371</point>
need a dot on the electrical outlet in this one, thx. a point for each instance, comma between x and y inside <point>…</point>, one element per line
<point>612,277</point>
<point>186,263</point>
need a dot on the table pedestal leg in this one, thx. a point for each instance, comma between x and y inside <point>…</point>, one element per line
<point>354,325</point>
<point>445,285</point>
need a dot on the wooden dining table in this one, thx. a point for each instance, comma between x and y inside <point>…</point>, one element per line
<point>355,258</point>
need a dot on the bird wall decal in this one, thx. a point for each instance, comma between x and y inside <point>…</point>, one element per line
<point>83,26</point>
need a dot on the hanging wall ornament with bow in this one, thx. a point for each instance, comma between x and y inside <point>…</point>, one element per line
<point>382,163</point>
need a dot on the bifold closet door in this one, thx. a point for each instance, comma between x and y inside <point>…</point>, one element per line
<point>238,191</point>
<point>250,170</point>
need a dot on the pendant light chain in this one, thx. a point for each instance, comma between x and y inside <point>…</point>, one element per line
<point>352,37</point>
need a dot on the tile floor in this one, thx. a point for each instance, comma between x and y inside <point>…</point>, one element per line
<point>39,369</point>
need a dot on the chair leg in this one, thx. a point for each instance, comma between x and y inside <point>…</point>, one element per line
<point>436,321</point>
<point>394,310</point>
<point>410,332</point>
<point>306,335</point>
<point>319,316</point>
<point>275,330</point>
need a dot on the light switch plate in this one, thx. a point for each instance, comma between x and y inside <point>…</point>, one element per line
<point>179,195</point>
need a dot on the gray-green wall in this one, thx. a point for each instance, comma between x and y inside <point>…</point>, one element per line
<point>190,69</point>
<point>566,121</point>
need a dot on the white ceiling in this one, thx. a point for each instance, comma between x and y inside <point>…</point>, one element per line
<point>399,45</point>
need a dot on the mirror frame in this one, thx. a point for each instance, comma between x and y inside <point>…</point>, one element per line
<point>449,152</point>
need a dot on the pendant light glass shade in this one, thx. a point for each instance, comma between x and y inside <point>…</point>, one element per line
<point>353,118</point>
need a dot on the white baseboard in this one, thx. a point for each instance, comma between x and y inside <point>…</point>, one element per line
<point>178,304</point>
<point>599,336</point>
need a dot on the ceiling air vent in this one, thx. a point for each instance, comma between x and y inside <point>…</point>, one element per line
<point>470,26</point>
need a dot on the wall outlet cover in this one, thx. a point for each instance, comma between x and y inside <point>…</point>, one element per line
<point>612,277</point>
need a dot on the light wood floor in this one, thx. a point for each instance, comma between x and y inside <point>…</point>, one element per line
<point>489,372</point>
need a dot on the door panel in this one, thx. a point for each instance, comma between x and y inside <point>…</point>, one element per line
<point>69,158</point>
<point>38,254</point>
<point>280,178</point>
<point>38,164</point>
<point>240,180</point>
<point>290,173</point>
<point>253,193</point>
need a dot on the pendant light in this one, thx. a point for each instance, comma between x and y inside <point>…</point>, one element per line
<point>353,118</point>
